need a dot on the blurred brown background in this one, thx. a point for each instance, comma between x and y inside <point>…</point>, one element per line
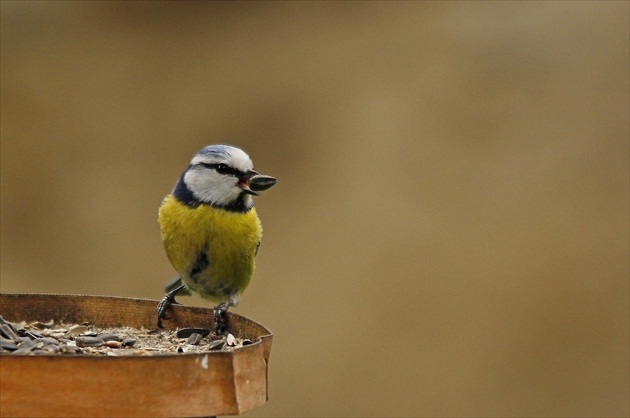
<point>449,233</point>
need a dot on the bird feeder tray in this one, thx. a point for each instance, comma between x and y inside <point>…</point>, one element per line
<point>226,382</point>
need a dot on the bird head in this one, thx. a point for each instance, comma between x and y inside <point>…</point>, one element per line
<point>224,176</point>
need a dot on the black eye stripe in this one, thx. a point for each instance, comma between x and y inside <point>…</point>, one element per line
<point>222,168</point>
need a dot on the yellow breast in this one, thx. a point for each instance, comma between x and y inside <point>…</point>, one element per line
<point>228,240</point>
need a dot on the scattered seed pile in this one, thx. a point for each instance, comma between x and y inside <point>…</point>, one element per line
<point>50,338</point>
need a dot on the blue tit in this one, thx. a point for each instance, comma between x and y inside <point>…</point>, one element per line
<point>210,228</point>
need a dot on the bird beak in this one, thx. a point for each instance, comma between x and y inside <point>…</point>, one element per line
<point>254,182</point>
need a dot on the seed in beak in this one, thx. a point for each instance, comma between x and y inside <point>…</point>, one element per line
<point>261,182</point>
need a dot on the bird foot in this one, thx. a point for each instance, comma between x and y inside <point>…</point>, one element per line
<point>162,306</point>
<point>167,301</point>
<point>219,314</point>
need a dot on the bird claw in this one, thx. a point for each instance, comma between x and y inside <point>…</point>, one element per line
<point>162,306</point>
<point>219,314</point>
<point>167,301</point>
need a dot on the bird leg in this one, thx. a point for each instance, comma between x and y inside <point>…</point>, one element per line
<point>167,301</point>
<point>219,313</point>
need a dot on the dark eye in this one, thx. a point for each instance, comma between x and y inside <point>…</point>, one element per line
<point>221,168</point>
<point>224,169</point>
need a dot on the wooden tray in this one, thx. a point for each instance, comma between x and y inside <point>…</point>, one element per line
<point>200,384</point>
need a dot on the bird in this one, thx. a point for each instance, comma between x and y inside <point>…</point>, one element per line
<point>210,229</point>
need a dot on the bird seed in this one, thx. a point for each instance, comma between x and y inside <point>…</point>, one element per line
<point>60,338</point>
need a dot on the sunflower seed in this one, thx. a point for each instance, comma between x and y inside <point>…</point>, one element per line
<point>216,345</point>
<point>88,341</point>
<point>8,344</point>
<point>194,338</point>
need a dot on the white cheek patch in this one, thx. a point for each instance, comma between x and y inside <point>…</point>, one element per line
<point>211,187</point>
